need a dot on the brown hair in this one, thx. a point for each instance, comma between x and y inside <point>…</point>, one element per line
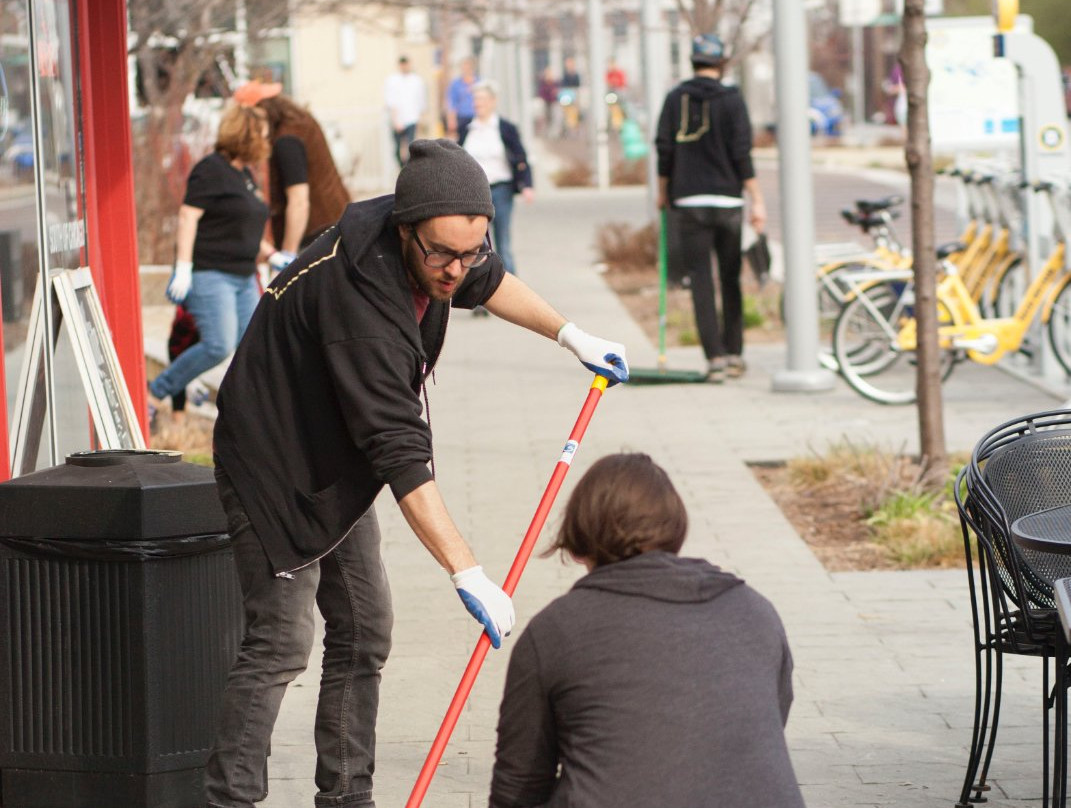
<point>241,135</point>
<point>623,506</point>
<point>280,110</point>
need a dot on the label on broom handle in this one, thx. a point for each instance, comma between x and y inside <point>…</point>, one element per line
<point>568,452</point>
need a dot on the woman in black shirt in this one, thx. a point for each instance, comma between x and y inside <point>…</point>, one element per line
<point>220,237</point>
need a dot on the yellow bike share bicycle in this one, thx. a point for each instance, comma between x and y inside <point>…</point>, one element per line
<point>875,337</point>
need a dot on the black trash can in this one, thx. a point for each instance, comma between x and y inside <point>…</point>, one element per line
<point>121,617</point>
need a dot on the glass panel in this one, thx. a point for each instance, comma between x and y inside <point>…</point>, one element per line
<point>18,213</point>
<point>60,119</point>
<point>46,167</point>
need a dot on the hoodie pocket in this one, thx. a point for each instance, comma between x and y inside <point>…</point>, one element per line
<point>324,516</point>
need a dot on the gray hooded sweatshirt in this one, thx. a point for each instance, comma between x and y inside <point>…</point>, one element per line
<point>656,681</point>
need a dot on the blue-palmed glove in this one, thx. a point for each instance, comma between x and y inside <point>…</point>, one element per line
<point>486,602</point>
<point>181,281</point>
<point>598,355</point>
<point>280,260</point>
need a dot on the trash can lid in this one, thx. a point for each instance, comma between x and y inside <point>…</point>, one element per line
<point>114,457</point>
<point>115,494</point>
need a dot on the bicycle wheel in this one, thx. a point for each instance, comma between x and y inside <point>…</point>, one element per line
<point>833,289</point>
<point>1060,327</point>
<point>1003,297</point>
<point>864,344</point>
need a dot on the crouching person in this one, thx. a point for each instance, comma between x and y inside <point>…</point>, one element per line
<point>657,680</point>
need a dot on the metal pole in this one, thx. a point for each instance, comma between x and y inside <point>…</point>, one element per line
<point>858,77</point>
<point>523,44</point>
<point>797,203</point>
<point>653,44</point>
<point>597,82</point>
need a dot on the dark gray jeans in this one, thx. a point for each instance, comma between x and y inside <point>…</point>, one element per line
<point>349,585</point>
<point>697,233</point>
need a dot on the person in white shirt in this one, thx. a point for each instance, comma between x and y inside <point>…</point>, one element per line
<point>406,99</point>
<point>496,145</point>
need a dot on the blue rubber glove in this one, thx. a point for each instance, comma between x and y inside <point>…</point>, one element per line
<point>597,355</point>
<point>181,281</point>
<point>280,260</point>
<point>486,602</point>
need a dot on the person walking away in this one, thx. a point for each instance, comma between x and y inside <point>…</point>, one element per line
<point>459,108</point>
<point>406,99</point>
<point>681,698</point>
<point>496,145</point>
<point>218,242</point>
<point>704,167</point>
<point>548,94</point>
<point>306,192</point>
<point>319,410</point>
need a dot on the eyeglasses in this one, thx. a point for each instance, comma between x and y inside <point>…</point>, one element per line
<point>440,259</point>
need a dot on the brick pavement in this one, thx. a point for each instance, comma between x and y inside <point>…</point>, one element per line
<point>883,667</point>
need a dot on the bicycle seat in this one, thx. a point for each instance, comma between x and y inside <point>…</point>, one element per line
<point>875,205</point>
<point>869,221</point>
<point>950,248</point>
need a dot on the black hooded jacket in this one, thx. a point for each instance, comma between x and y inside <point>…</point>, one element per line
<point>704,140</point>
<point>656,681</point>
<point>320,407</point>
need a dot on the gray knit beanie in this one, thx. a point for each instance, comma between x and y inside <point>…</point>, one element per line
<point>440,179</point>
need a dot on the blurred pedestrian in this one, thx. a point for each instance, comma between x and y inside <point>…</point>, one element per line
<point>183,334</point>
<point>704,167</point>
<point>656,680</point>
<point>218,242</point>
<point>306,191</point>
<point>615,77</point>
<point>459,109</point>
<point>548,94</point>
<point>496,145</point>
<point>570,76</point>
<point>406,99</point>
<point>319,411</point>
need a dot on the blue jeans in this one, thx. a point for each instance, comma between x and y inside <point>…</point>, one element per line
<point>349,585</point>
<point>502,199</point>
<point>402,140</point>
<point>221,305</point>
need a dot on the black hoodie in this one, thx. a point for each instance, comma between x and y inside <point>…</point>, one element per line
<point>320,407</point>
<point>704,140</point>
<point>657,681</point>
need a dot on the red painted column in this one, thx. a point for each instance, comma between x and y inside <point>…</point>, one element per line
<point>111,220</point>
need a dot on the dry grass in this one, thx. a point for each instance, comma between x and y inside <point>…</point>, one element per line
<point>191,435</point>
<point>861,507</point>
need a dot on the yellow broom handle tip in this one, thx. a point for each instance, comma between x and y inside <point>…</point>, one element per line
<point>600,383</point>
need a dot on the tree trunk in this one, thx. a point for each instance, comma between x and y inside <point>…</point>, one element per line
<point>920,165</point>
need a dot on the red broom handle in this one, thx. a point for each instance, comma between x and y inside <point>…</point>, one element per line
<point>468,679</point>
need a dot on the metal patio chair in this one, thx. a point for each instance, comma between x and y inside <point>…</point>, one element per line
<point>1018,468</point>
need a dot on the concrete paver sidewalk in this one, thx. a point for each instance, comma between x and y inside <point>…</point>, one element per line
<point>884,678</point>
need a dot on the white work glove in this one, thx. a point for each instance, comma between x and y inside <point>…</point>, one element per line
<point>280,260</point>
<point>486,602</point>
<point>598,355</point>
<point>181,281</point>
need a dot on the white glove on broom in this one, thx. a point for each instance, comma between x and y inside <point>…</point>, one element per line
<point>485,601</point>
<point>596,354</point>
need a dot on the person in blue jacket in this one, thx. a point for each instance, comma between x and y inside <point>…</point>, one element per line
<point>496,145</point>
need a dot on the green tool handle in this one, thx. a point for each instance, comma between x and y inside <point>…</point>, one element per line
<point>663,269</point>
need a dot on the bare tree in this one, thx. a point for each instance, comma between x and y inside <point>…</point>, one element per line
<point>175,44</point>
<point>706,16</point>
<point>920,165</point>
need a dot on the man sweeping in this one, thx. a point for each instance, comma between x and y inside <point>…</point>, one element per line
<point>319,410</point>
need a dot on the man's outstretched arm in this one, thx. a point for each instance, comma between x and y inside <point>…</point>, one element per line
<point>516,303</point>
<point>426,513</point>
